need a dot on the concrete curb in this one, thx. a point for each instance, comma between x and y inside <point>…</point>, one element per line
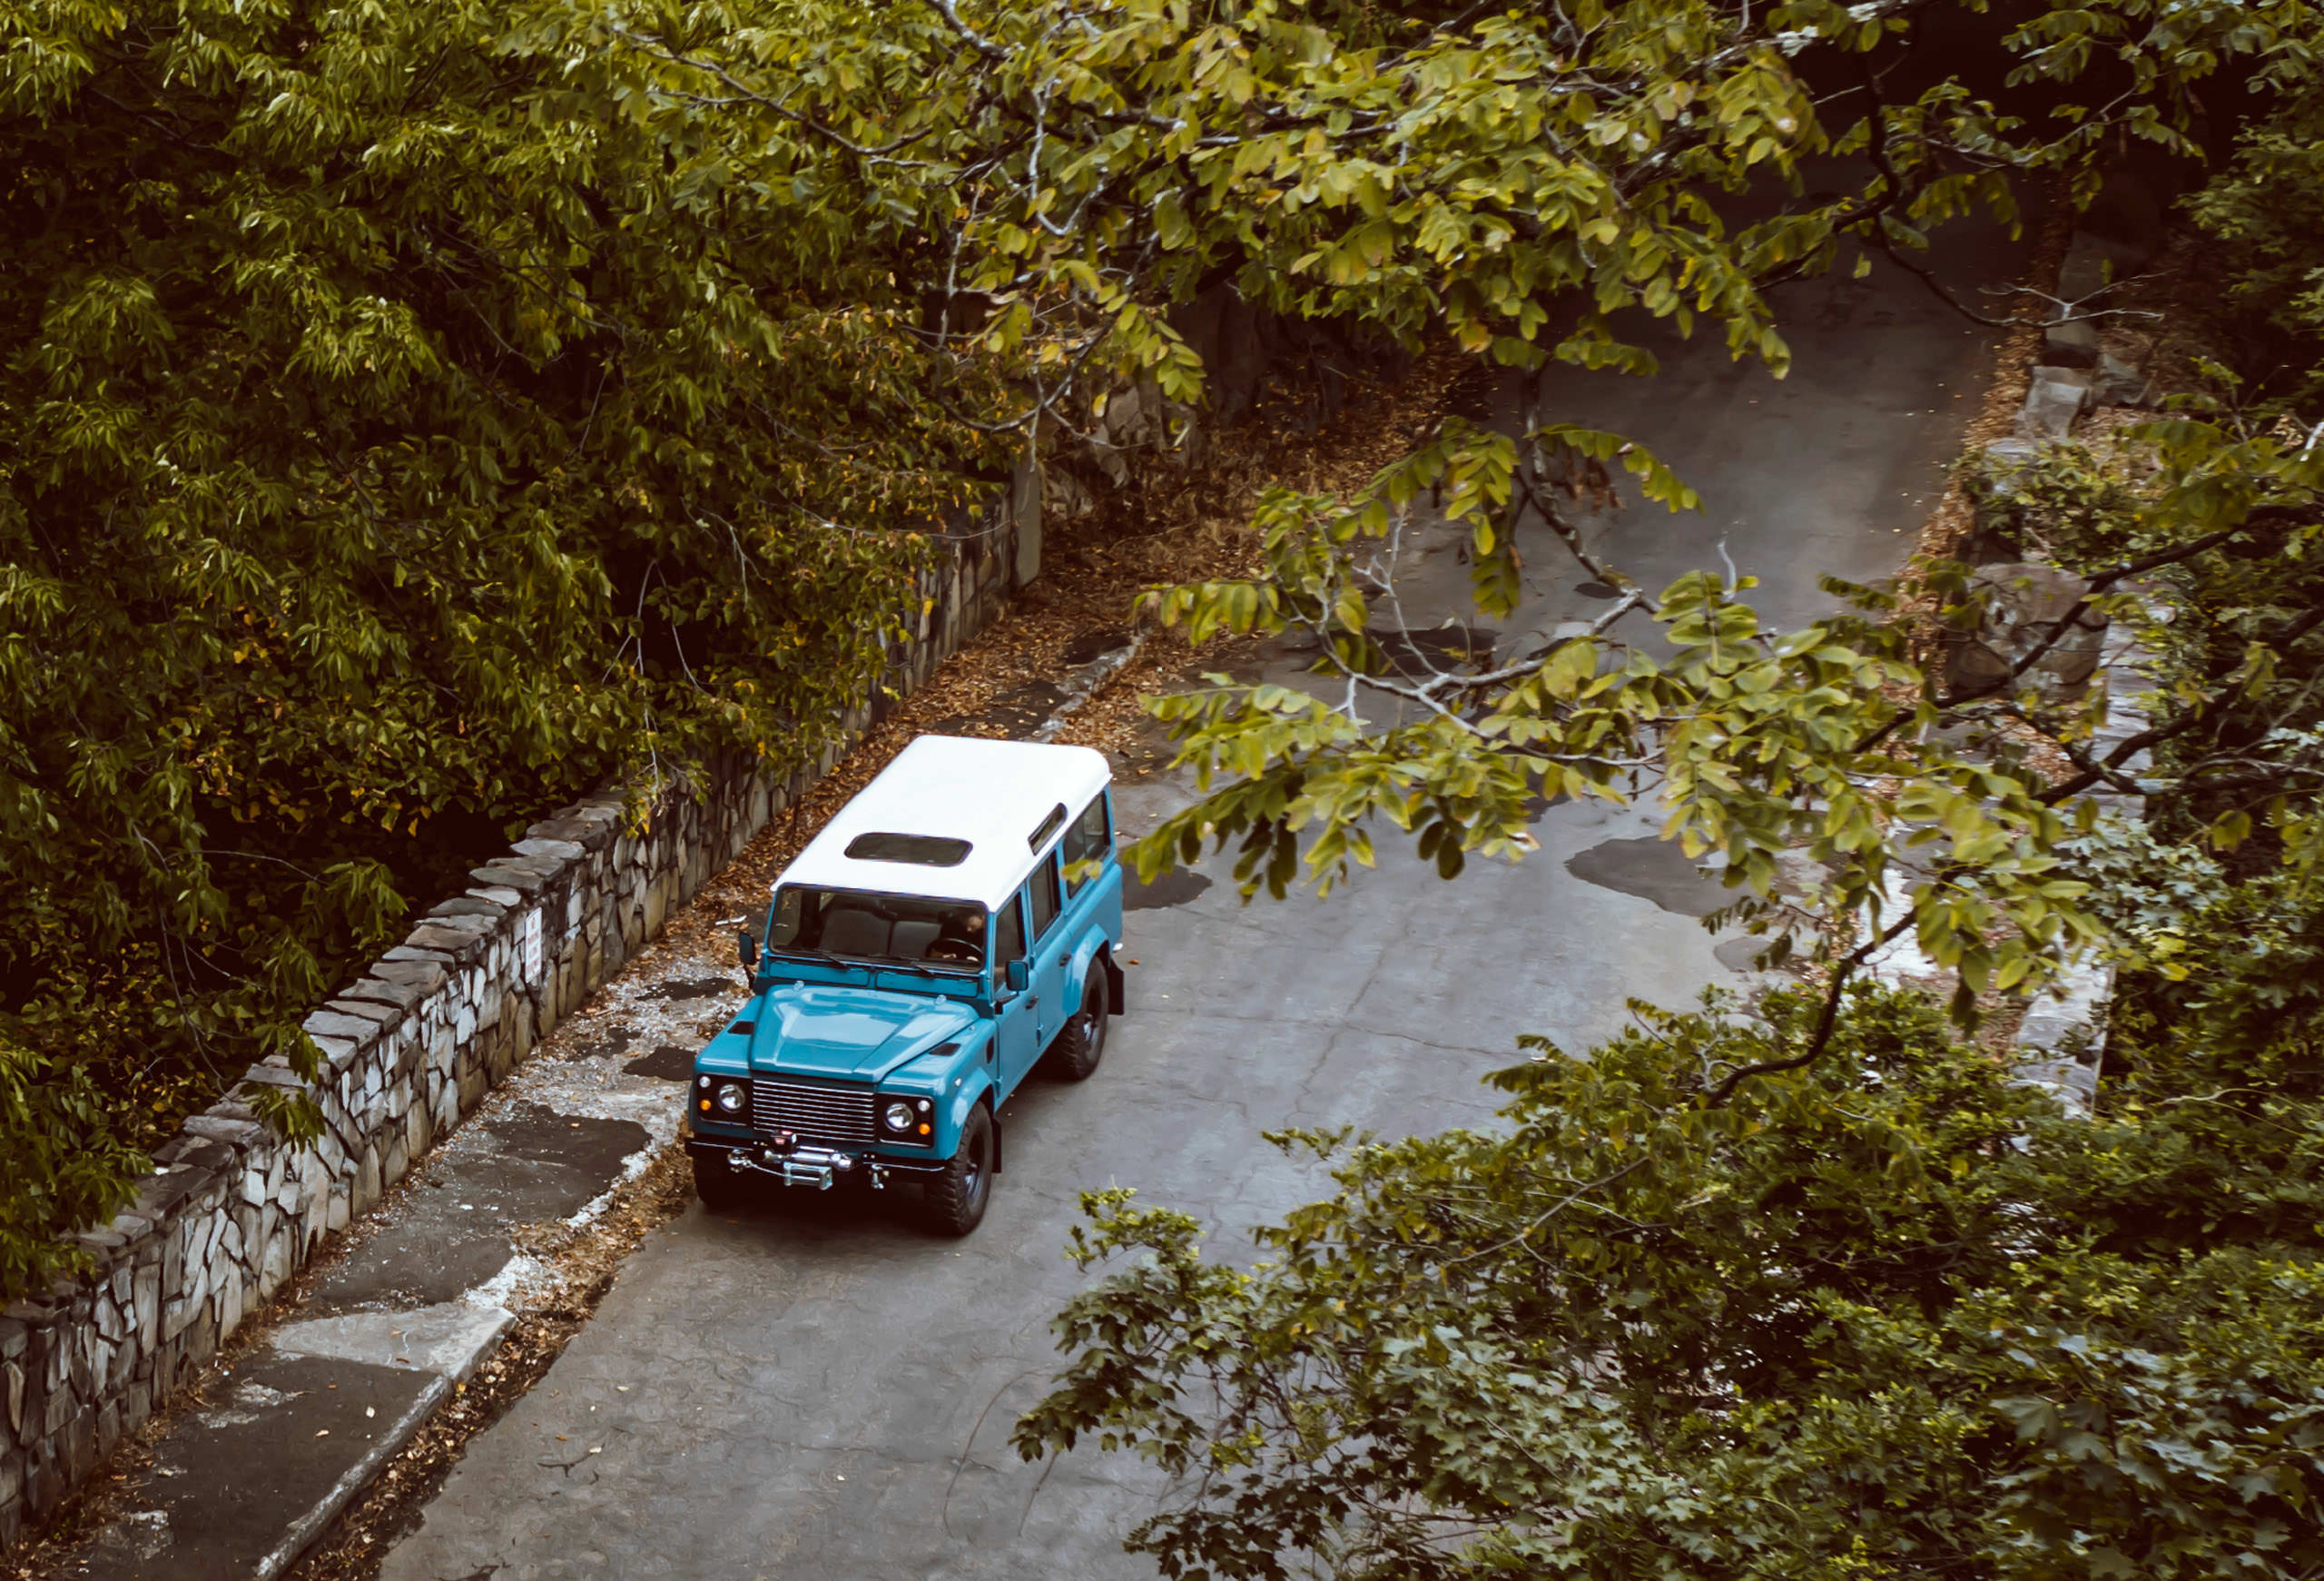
<point>466,1335</point>
<point>248,1479</point>
<point>1084,683</point>
<point>448,1340</point>
<point>303,1531</point>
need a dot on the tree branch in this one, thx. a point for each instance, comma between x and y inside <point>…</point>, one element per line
<point>1825,1020</point>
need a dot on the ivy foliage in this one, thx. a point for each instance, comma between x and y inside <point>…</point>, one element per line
<point>393,444</point>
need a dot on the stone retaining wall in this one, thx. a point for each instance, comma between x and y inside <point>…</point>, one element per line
<point>410,1048</point>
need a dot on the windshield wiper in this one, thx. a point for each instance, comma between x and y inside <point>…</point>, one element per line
<point>921,964</point>
<point>874,962</point>
<point>811,952</point>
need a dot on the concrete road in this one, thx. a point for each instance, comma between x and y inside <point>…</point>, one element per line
<point>821,1390</point>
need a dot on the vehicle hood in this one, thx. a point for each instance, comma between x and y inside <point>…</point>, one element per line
<point>809,1029</point>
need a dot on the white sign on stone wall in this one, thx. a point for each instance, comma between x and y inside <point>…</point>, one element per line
<point>529,947</point>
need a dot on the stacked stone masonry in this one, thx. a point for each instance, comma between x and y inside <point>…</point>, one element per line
<point>409,1049</point>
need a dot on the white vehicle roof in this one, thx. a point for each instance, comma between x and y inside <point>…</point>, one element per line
<point>991,794</point>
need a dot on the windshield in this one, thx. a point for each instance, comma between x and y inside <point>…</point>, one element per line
<point>936,936</point>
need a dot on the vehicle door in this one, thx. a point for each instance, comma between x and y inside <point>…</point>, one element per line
<point>1048,949</point>
<point>1016,1036</point>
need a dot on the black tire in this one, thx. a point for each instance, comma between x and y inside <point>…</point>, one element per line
<point>956,1199</point>
<point>1081,1042</point>
<point>721,1187</point>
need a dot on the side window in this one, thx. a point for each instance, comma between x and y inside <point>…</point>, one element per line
<point>1087,843</point>
<point>785,928</point>
<point>1009,932</point>
<point>1045,900</point>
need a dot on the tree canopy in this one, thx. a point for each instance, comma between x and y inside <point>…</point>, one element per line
<point>419,412</point>
<point>1886,1315</point>
<point>1811,1290</point>
<point>1520,178</point>
<point>393,444</point>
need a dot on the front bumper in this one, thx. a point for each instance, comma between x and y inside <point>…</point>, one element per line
<point>807,1164</point>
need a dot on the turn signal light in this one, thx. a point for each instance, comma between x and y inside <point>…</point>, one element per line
<point>923,1128</point>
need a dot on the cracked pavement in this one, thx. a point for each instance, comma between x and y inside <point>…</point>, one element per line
<point>818,1387</point>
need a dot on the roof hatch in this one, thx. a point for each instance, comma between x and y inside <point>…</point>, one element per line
<point>920,850</point>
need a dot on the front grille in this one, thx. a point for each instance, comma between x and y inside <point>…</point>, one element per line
<point>816,1114</point>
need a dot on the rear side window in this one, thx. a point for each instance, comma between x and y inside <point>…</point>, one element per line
<point>1087,844</point>
<point>1045,900</point>
<point>1009,934</point>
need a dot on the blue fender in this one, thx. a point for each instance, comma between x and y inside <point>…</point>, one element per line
<point>1078,970</point>
<point>976,1090</point>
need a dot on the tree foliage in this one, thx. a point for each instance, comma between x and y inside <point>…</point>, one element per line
<point>1886,1315</point>
<point>1515,175</point>
<point>66,1165</point>
<point>1817,1292</point>
<point>1519,177</point>
<point>2266,210</point>
<point>393,444</point>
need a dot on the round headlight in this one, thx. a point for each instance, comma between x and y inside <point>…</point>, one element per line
<point>898,1117</point>
<point>730,1097</point>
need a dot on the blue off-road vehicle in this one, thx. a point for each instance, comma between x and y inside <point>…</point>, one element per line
<point>954,926</point>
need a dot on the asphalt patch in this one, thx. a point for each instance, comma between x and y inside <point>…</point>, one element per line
<point>260,1448</point>
<point>1175,887</point>
<point>670,1063</point>
<point>1092,645</point>
<point>527,1165</point>
<point>1015,714</point>
<point>692,988</point>
<point>611,1044</point>
<point>1650,869</point>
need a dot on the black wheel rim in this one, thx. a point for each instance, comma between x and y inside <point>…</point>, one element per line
<point>1093,1015</point>
<point>976,1173</point>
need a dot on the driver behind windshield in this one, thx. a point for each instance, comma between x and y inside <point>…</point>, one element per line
<point>960,939</point>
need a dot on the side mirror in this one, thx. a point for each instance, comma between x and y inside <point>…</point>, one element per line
<point>747,945</point>
<point>1018,975</point>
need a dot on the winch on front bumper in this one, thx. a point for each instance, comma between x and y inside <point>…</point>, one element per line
<point>785,1158</point>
